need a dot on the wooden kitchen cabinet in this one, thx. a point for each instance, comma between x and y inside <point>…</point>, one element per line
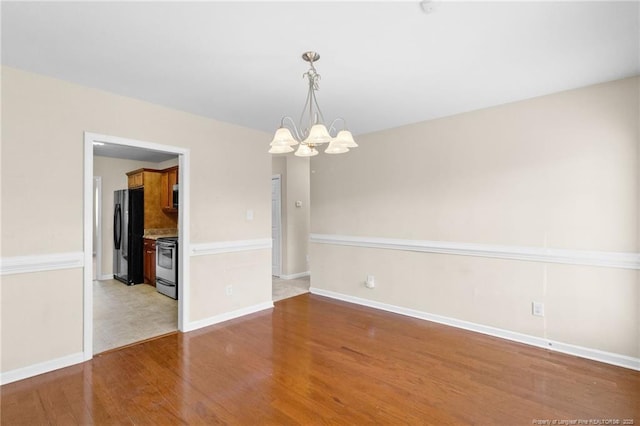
<point>149,267</point>
<point>168,179</point>
<point>151,180</point>
<point>136,178</point>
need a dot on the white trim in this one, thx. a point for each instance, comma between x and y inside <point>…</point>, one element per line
<point>97,181</point>
<point>579,351</point>
<point>218,247</point>
<point>105,277</point>
<point>278,220</point>
<point>294,276</point>
<point>87,280</point>
<point>41,262</point>
<point>534,254</point>
<point>194,325</point>
<point>184,226</point>
<point>40,368</point>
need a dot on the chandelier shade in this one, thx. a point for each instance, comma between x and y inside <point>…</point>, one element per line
<point>305,151</point>
<point>335,147</point>
<point>311,131</point>
<point>280,149</point>
<point>283,136</point>
<point>345,138</point>
<point>318,135</point>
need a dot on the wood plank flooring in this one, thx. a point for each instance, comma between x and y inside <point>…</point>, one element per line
<point>313,360</point>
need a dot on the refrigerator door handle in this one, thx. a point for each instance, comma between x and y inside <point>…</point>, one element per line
<point>117,227</point>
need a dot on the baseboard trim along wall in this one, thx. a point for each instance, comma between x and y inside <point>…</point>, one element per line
<point>194,325</point>
<point>40,368</point>
<point>582,352</point>
<point>41,262</point>
<point>229,246</point>
<point>533,254</point>
<point>294,276</point>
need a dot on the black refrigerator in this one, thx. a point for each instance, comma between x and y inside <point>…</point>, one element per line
<point>128,230</point>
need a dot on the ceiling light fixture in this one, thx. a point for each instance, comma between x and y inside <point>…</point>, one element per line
<point>311,131</point>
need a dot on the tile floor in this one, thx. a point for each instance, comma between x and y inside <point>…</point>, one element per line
<point>283,289</point>
<point>127,314</point>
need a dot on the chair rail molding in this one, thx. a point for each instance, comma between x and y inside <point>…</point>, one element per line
<point>218,247</point>
<point>41,263</point>
<point>533,254</point>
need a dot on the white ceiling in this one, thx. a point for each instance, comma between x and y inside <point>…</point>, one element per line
<point>131,153</point>
<point>383,64</point>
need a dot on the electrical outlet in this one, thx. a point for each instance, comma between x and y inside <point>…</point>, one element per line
<point>228,290</point>
<point>537,309</point>
<point>370,281</point>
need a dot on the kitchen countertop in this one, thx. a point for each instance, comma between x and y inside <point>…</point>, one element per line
<point>154,234</point>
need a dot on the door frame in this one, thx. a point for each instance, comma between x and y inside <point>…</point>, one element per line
<point>183,229</point>
<point>97,206</point>
<point>278,221</point>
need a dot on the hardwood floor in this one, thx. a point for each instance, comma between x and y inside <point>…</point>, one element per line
<point>313,360</point>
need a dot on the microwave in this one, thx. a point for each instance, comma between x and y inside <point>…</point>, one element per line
<point>176,190</point>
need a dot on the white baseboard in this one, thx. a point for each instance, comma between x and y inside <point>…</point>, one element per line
<point>40,368</point>
<point>105,277</point>
<point>294,276</point>
<point>194,325</point>
<point>579,351</point>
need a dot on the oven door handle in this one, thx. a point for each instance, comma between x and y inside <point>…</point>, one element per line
<point>165,282</point>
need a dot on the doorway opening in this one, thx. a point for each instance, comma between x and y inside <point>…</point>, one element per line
<point>276,225</point>
<point>107,300</point>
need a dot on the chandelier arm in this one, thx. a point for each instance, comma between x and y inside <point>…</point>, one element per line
<point>315,101</point>
<point>333,127</point>
<point>293,127</point>
<point>310,98</point>
<point>307,102</point>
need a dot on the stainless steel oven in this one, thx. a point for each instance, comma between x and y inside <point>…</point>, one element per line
<point>167,266</point>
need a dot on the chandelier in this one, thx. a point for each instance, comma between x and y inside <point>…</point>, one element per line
<point>310,133</point>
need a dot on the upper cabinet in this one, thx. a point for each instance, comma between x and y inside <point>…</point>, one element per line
<point>136,178</point>
<point>156,196</point>
<point>168,179</point>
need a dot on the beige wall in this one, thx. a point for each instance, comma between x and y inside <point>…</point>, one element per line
<point>42,202</point>
<point>295,220</point>
<point>559,171</point>
<point>41,317</point>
